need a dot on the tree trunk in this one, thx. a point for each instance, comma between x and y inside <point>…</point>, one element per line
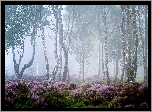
<point>143,44</point>
<point>123,42</point>
<point>133,75</point>
<point>103,64</point>
<point>99,39</point>
<point>55,12</point>
<point>65,73</point>
<point>106,51</point>
<point>128,66</point>
<point>146,40</point>
<point>116,71</point>
<point>57,60</point>
<point>43,42</point>
<point>83,66</point>
<point>99,62</point>
<point>16,66</point>
<point>60,41</point>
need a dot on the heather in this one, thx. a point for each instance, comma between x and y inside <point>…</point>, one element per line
<point>45,94</point>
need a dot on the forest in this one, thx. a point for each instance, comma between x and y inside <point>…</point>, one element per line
<point>76,56</point>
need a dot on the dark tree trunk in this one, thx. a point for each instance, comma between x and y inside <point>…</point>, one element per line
<point>128,65</point>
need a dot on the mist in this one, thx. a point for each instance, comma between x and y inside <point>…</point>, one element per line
<point>91,66</point>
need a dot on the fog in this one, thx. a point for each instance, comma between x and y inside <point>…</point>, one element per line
<point>90,69</point>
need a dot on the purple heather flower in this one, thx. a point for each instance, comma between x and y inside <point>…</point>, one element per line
<point>49,86</point>
<point>141,87</point>
<point>33,96</point>
<point>125,97</point>
<point>130,106</point>
<point>76,91</point>
<point>59,84</point>
<point>102,88</point>
<point>143,105</point>
<point>96,86</point>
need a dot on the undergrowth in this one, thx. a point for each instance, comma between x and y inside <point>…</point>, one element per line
<point>19,94</point>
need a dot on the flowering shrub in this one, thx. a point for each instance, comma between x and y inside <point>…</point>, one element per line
<point>109,92</point>
<point>72,86</point>
<point>79,93</point>
<point>130,106</point>
<point>9,97</point>
<point>53,99</point>
<point>143,105</point>
<point>59,85</point>
<point>142,87</point>
<point>102,88</point>
<point>22,101</point>
<point>35,94</point>
<point>13,89</point>
<point>76,93</point>
<point>130,93</point>
<point>93,97</point>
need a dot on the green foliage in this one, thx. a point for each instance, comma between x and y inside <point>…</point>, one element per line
<point>54,99</point>
<point>88,106</point>
<point>22,101</point>
<point>129,96</point>
<point>78,104</point>
<point>19,21</point>
<point>106,102</point>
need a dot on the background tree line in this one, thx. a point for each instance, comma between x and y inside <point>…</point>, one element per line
<point>119,31</point>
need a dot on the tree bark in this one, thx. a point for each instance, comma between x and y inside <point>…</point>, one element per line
<point>133,74</point>
<point>65,73</point>
<point>116,71</point>
<point>146,44</point>
<point>43,42</point>
<point>16,66</point>
<point>106,51</point>
<point>123,42</point>
<point>55,12</point>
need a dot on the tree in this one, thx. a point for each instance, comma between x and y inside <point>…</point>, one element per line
<point>41,11</point>
<point>106,51</point>
<point>114,41</point>
<point>130,50</point>
<point>17,27</point>
<point>80,45</point>
<point>146,54</point>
